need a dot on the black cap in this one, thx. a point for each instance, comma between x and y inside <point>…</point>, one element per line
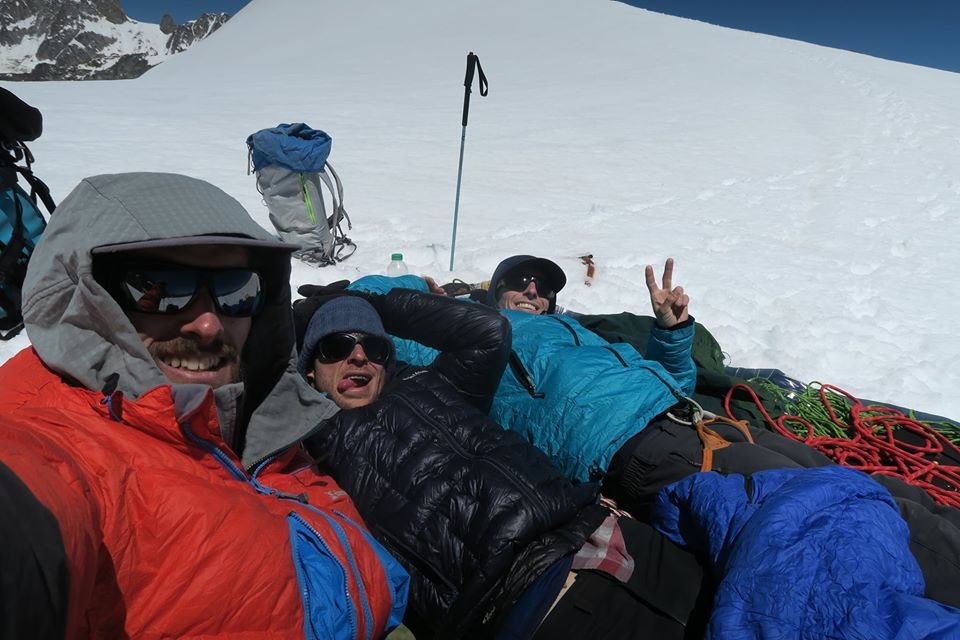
<point>550,271</point>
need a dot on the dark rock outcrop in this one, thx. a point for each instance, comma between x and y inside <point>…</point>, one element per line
<point>89,39</point>
<point>185,35</point>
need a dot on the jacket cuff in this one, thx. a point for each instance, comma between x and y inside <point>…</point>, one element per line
<point>680,325</point>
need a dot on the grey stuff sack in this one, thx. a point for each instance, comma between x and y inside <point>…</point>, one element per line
<point>300,187</point>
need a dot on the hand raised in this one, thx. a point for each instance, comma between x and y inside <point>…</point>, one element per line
<point>669,302</point>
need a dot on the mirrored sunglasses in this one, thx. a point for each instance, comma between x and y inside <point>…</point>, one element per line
<point>236,293</point>
<point>520,281</point>
<point>338,346</point>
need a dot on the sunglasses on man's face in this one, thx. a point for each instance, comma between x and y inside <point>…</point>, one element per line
<point>236,293</point>
<point>520,282</point>
<point>338,346</point>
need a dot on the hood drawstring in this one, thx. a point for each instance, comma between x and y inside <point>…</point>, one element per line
<point>112,397</point>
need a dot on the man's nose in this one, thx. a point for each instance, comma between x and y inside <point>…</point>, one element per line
<point>203,322</point>
<point>531,289</point>
<point>358,355</point>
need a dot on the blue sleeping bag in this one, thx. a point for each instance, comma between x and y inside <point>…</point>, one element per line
<point>804,553</point>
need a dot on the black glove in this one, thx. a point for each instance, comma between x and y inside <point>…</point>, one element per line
<point>307,290</point>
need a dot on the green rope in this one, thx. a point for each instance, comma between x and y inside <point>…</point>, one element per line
<point>809,406</point>
<point>950,430</point>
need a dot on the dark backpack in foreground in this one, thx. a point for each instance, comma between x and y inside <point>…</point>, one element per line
<point>21,223</point>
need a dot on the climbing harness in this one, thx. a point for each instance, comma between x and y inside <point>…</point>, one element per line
<point>701,420</point>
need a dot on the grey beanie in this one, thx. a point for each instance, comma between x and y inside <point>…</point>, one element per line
<point>344,314</point>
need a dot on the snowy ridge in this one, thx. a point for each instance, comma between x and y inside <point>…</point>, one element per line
<point>46,40</point>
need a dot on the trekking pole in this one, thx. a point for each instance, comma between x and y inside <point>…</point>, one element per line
<point>473,62</point>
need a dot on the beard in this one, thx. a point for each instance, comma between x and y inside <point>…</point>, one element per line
<point>216,356</point>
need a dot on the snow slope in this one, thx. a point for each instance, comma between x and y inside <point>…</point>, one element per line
<point>810,196</point>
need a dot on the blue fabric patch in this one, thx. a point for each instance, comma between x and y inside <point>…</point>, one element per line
<point>533,605</point>
<point>397,577</point>
<point>327,610</point>
<point>295,146</point>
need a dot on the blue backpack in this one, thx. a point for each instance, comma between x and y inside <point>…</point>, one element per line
<point>21,222</point>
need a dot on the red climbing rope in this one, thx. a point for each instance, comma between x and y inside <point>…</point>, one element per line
<point>869,444</point>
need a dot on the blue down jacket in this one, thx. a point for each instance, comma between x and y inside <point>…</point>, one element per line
<point>571,393</point>
<point>579,398</point>
<point>804,553</point>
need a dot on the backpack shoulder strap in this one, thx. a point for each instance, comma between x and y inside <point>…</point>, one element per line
<point>343,246</point>
<point>10,155</point>
<point>339,212</point>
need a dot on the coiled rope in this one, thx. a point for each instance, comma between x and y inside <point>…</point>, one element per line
<point>862,437</point>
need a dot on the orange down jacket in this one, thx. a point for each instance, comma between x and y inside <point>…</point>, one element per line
<point>274,553</point>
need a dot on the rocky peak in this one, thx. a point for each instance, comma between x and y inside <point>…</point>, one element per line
<point>167,25</point>
<point>88,39</point>
<point>184,35</point>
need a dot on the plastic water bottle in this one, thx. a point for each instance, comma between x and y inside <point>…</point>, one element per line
<point>397,266</point>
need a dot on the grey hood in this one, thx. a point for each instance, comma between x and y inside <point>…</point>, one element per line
<point>80,332</point>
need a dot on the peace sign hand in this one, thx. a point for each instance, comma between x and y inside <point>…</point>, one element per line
<point>669,302</point>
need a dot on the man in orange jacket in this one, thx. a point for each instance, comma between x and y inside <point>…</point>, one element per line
<point>152,477</point>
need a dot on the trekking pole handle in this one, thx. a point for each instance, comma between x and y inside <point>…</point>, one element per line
<point>473,65</point>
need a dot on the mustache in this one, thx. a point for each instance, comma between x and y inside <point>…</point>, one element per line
<point>182,347</point>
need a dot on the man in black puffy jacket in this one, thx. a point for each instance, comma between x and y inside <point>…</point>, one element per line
<point>498,543</point>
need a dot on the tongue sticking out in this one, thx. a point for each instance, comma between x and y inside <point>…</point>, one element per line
<point>350,383</point>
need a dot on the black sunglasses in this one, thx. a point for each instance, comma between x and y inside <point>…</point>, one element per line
<point>337,346</point>
<point>236,293</point>
<point>520,281</point>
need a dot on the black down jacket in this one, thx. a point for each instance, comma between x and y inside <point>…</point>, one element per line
<point>472,511</point>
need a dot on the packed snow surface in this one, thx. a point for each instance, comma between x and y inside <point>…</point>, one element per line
<point>810,196</point>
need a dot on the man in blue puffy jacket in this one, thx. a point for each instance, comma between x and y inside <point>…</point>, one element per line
<point>604,410</point>
<point>578,397</point>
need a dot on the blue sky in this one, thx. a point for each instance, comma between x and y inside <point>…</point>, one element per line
<point>922,32</point>
<point>181,10</point>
